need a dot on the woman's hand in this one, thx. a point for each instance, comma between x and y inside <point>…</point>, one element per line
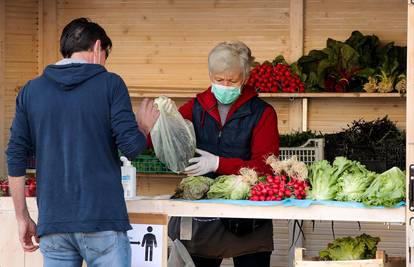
<point>205,163</point>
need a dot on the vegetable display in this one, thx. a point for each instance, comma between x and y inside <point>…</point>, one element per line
<point>233,186</point>
<point>387,189</point>
<point>322,181</point>
<point>193,187</point>
<point>349,248</point>
<point>275,77</point>
<point>348,180</point>
<point>353,182</point>
<point>377,144</point>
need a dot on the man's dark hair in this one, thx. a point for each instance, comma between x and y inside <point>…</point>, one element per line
<point>80,35</point>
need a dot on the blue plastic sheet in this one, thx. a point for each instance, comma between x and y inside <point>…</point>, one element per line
<point>302,203</point>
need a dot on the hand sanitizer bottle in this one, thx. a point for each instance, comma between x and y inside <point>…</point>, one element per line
<point>129,178</point>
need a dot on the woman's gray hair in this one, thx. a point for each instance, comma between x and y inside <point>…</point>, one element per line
<point>230,55</point>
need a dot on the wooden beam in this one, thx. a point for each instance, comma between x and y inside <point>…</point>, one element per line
<point>48,37</point>
<point>2,86</point>
<point>296,29</point>
<point>410,124</point>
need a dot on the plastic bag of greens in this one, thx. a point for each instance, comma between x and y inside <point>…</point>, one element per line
<point>179,256</point>
<point>173,137</point>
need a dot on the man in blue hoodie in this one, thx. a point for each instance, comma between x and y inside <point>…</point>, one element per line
<point>74,118</point>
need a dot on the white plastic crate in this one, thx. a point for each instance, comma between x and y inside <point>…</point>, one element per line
<point>311,151</point>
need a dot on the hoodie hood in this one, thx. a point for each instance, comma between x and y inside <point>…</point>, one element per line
<point>69,76</point>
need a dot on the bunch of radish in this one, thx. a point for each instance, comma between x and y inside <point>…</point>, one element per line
<point>279,187</point>
<point>275,78</point>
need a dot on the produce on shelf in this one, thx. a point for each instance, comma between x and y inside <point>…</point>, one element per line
<point>233,186</point>
<point>289,181</point>
<point>377,144</point>
<point>30,188</point>
<point>193,187</point>
<point>291,167</point>
<point>401,85</point>
<point>348,180</point>
<point>275,77</point>
<point>392,64</point>
<point>349,248</point>
<point>387,189</point>
<point>353,182</point>
<point>276,188</point>
<point>4,187</point>
<point>359,63</point>
<point>322,181</point>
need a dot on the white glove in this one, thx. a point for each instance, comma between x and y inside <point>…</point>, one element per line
<point>166,103</point>
<point>205,163</point>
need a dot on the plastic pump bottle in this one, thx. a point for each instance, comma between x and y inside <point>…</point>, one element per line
<point>129,178</point>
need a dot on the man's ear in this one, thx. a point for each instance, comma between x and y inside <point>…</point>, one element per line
<point>96,52</point>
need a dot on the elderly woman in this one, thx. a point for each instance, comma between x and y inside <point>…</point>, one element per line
<point>234,128</point>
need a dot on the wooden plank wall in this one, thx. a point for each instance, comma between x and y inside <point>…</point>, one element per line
<point>337,19</point>
<point>20,54</point>
<point>166,43</point>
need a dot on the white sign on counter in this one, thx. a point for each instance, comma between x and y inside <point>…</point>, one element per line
<point>148,240</point>
<point>146,245</point>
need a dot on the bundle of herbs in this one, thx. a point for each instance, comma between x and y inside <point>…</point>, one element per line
<point>378,144</point>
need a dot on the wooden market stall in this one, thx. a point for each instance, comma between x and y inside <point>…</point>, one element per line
<point>161,47</point>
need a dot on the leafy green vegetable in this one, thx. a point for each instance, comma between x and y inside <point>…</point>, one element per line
<point>233,186</point>
<point>348,248</point>
<point>387,189</point>
<point>193,187</point>
<point>323,182</point>
<point>229,187</point>
<point>353,181</point>
<point>366,46</point>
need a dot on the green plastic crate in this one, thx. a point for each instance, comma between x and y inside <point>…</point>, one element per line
<point>149,164</point>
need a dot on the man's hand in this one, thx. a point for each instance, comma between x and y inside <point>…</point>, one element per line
<point>147,115</point>
<point>205,163</point>
<point>26,226</point>
<point>27,231</point>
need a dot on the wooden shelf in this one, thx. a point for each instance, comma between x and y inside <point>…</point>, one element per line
<point>175,92</point>
<point>314,212</point>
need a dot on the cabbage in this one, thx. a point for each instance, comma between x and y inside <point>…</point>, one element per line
<point>229,187</point>
<point>233,186</point>
<point>193,187</point>
<point>348,248</point>
<point>354,180</point>
<point>387,189</point>
<point>323,182</point>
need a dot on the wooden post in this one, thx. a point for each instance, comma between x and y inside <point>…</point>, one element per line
<point>48,36</point>
<point>297,108</point>
<point>296,29</point>
<point>2,86</point>
<point>410,126</point>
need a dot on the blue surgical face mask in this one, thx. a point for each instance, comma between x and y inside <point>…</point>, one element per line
<point>225,94</point>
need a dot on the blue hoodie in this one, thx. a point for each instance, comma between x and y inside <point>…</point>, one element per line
<point>74,118</point>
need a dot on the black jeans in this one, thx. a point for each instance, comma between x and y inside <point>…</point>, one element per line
<point>260,259</point>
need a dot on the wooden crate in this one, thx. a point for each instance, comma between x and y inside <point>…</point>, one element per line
<point>381,260</point>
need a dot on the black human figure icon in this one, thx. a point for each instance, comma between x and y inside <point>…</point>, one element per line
<point>149,241</point>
